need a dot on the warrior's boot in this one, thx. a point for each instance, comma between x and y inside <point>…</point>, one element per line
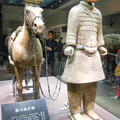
<point>86,117</point>
<point>89,100</point>
<point>93,115</point>
<point>77,116</point>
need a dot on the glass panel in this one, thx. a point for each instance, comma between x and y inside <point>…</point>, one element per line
<point>107,90</point>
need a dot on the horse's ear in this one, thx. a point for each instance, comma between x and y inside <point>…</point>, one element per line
<point>42,11</point>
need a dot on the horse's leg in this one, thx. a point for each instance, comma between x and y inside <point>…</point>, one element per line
<point>26,77</point>
<point>36,83</point>
<point>19,74</point>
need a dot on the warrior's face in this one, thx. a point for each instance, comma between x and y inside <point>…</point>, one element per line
<point>91,0</point>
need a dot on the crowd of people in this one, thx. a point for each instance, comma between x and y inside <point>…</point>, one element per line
<point>112,60</point>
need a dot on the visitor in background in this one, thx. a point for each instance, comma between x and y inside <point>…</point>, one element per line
<point>51,46</point>
<point>60,49</point>
<point>117,73</point>
<point>111,65</point>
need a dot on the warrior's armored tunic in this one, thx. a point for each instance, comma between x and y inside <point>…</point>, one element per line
<point>84,28</point>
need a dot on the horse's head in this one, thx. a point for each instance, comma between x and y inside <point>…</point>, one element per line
<point>33,16</point>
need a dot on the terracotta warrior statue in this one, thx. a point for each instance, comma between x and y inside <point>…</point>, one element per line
<point>83,68</point>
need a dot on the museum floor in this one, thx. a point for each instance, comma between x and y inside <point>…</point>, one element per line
<point>57,109</point>
<point>106,106</point>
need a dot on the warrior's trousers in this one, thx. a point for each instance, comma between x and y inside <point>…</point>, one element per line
<point>81,92</point>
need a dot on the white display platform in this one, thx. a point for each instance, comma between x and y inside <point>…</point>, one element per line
<point>55,108</point>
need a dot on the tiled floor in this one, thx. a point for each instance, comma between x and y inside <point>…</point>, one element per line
<point>55,108</point>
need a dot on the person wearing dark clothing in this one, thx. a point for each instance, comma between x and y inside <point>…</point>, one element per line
<point>60,49</point>
<point>51,46</point>
<point>110,59</point>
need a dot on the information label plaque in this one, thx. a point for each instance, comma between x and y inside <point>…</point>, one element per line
<point>26,110</point>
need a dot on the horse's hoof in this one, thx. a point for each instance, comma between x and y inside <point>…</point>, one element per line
<point>20,99</point>
<point>38,97</point>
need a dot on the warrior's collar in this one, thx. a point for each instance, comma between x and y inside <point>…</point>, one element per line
<point>87,6</point>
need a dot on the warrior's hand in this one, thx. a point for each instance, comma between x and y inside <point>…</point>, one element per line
<point>103,50</point>
<point>69,51</point>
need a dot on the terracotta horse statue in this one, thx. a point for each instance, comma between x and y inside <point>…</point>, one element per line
<point>25,49</point>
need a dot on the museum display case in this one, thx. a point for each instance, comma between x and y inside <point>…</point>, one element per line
<point>55,17</point>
